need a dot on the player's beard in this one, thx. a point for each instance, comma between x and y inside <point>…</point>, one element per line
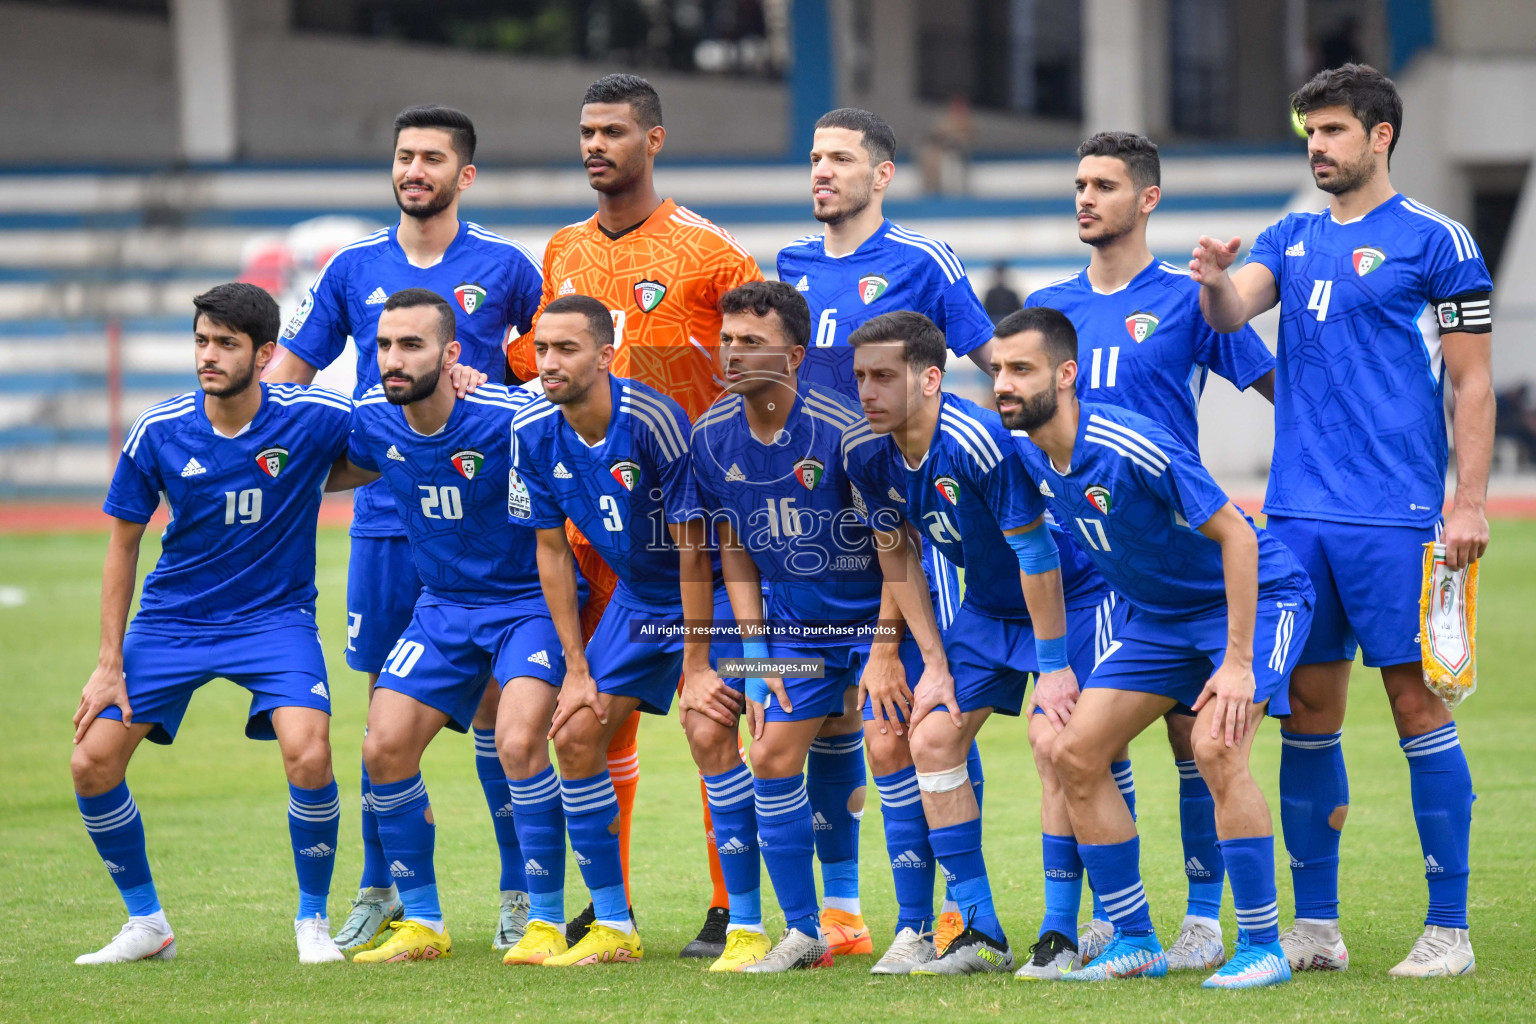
<point>574,391</point>
<point>1348,177</point>
<point>420,388</point>
<point>1111,231</point>
<point>233,385</point>
<point>439,201</point>
<point>855,204</point>
<point>1034,411</point>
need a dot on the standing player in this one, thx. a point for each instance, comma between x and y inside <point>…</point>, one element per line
<point>945,465</point>
<point>863,265</point>
<point>1145,347</point>
<point>766,461</point>
<point>1206,591</point>
<point>660,269</point>
<point>481,615</point>
<point>240,466</point>
<point>1357,484</point>
<point>495,283</point>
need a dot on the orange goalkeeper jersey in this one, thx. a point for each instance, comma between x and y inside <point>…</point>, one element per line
<point>661,282</point>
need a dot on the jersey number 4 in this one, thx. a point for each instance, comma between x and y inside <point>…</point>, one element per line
<point>1322,294</point>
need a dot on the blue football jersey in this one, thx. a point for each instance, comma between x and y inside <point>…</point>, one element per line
<point>621,492</point>
<point>970,487</point>
<point>1359,414</point>
<point>1147,347</point>
<point>1135,499</point>
<point>790,505</point>
<point>894,269</point>
<point>239,553</point>
<point>493,283</point>
<point>448,491</point>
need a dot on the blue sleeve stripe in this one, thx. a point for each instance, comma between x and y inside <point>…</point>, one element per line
<point>1465,247</point>
<point>986,450</point>
<point>986,464</point>
<point>720,413</point>
<point>1130,454</point>
<point>660,419</point>
<point>976,427</point>
<point>830,408</point>
<point>381,235</point>
<point>948,262</point>
<point>167,411</point>
<point>1127,436</point>
<point>476,231</point>
<point>534,410</point>
<point>670,448</point>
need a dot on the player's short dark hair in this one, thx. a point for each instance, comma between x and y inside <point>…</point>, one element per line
<point>455,122</point>
<point>763,297</point>
<point>1370,95</point>
<point>1059,334</point>
<point>599,320</point>
<point>879,139</point>
<point>1137,152</point>
<point>414,298</point>
<point>632,89</point>
<point>922,341</point>
<point>241,307</point>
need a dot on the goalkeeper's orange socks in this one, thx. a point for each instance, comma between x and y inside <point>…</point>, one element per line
<point>624,769</point>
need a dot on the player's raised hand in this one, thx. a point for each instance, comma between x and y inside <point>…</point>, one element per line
<point>884,681</point>
<point>936,689</point>
<point>1212,258</point>
<point>465,379</point>
<point>1231,689</point>
<point>579,690</point>
<point>1055,694</point>
<point>106,688</point>
<point>705,692</point>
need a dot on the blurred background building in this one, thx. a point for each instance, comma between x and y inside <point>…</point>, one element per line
<point>156,147</point>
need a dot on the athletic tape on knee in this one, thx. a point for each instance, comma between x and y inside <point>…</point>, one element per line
<point>943,782</point>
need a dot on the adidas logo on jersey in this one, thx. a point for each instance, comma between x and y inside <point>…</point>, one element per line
<point>399,870</point>
<point>804,284</point>
<point>734,846</point>
<point>820,823</point>
<point>1045,490</point>
<point>319,690</point>
<point>394,453</point>
<point>533,867</point>
<point>192,468</point>
<point>567,287</point>
<point>908,859</point>
<point>539,658</point>
<point>583,861</point>
<point>504,811</point>
<point>896,495</point>
<point>114,868</point>
<point>1194,869</point>
<point>376,298</point>
<point>734,475</point>
<point>1298,249</point>
<point>318,850</point>
<point>561,473</point>
<point>1432,866</point>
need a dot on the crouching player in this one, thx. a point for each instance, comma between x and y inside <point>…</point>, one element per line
<point>767,467</point>
<point>1207,591</point>
<point>612,455</point>
<point>240,466</point>
<point>481,614</point>
<point>947,467</point>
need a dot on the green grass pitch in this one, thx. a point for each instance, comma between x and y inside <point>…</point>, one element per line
<point>214,810</point>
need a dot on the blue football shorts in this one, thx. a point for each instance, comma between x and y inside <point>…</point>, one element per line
<point>626,661</point>
<point>382,590</point>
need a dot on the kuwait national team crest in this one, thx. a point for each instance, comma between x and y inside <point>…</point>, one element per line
<point>808,471</point>
<point>1141,325</point>
<point>626,473</point>
<point>949,488</point>
<point>871,287</point>
<point>467,462</point>
<point>1099,496</point>
<point>648,295</point>
<point>1367,258</point>
<point>471,296</point>
<point>272,461</point>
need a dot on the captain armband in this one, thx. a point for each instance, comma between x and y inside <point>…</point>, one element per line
<point>1468,313</point>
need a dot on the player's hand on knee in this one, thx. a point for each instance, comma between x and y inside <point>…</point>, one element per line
<point>1211,258</point>
<point>106,688</point>
<point>579,690</point>
<point>1465,536</point>
<point>705,692</point>
<point>1231,690</point>
<point>1055,694</point>
<point>936,689</point>
<point>884,681</point>
<point>465,378</point>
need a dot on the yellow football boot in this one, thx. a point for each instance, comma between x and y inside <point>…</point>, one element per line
<point>742,947</point>
<point>846,934</point>
<point>541,941</point>
<point>946,930</point>
<point>411,940</point>
<point>601,945</point>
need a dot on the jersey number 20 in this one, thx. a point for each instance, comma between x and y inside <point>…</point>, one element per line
<point>445,500</point>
